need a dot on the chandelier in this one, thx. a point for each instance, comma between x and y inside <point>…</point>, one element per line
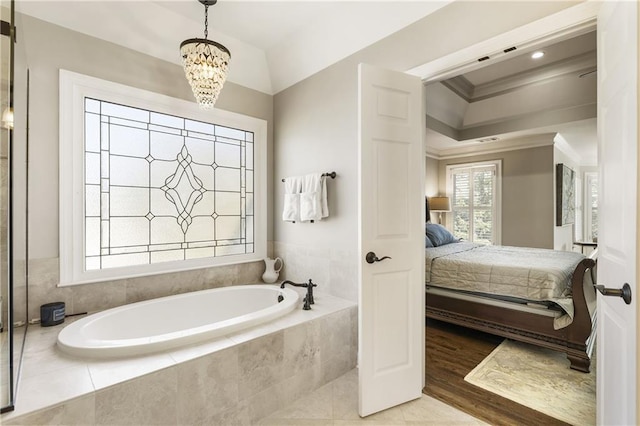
<point>206,64</point>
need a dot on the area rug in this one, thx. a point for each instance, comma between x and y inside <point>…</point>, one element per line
<point>539,379</point>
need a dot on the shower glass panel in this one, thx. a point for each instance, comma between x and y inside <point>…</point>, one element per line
<point>6,361</point>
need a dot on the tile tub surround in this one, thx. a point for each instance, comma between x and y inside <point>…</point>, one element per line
<point>236,379</point>
<point>44,278</point>
<point>335,269</point>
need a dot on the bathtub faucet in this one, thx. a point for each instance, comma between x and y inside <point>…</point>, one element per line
<point>308,299</point>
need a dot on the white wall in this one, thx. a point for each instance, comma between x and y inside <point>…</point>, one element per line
<point>316,129</point>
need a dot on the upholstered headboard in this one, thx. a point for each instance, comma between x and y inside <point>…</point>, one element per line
<point>428,213</point>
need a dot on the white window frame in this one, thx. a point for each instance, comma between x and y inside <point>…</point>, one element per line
<point>588,219</point>
<point>579,225</point>
<point>74,88</point>
<point>497,194</point>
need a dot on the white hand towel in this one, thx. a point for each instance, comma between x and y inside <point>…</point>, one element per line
<point>323,197</point>
<point>311,197</point>
<point>291,208</point>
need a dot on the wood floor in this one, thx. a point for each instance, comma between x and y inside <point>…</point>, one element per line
<point>452,352</point>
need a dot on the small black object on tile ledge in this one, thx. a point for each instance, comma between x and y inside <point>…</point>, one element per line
<point>52,314</point>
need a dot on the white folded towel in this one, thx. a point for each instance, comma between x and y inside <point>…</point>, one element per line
<point>313,199</point>
<point>292,189</point>
<point>323,198</point>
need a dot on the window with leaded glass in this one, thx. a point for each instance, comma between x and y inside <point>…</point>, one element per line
<point>164,186</point>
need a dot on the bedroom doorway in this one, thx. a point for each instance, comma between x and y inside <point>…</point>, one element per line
<point>587,17</point>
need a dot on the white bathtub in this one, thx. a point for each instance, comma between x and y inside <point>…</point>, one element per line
<point>168,322</point>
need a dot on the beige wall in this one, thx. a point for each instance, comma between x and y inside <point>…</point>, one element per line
<point>527,194</point>
<point>316,129</point>
<point>50,48</point>
<point>431,177</point>
<point>563,236</point>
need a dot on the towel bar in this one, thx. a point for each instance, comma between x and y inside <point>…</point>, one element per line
<point>332,175</point>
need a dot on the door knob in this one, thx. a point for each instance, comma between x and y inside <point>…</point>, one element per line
<point>371,257</point>
<point>624,292</point>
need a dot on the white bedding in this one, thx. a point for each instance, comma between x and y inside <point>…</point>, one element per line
<point>537,275</point>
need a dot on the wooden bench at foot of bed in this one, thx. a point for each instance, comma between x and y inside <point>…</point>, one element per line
<point>576,339</point>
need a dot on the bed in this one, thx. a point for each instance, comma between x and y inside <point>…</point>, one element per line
<point>538,296</point>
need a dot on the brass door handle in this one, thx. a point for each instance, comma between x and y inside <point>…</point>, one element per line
<point>371,257</point>
<point>624,292</point>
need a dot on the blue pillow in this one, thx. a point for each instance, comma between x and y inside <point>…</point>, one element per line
<point>427,242</point>
<point>439,235</point>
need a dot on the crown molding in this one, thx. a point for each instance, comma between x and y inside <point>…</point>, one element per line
<point>443,128</point>
<point>460,86</point>
<point>531,120</point>
<point>520,123</point>
<point>561,144</point>
<point>504,145</point>
<point>536,76</point>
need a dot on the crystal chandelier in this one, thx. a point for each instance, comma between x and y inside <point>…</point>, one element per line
<point>206,64</point>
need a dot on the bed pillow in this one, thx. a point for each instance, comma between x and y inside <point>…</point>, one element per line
<point>439,235</point>
<point>427,242</point>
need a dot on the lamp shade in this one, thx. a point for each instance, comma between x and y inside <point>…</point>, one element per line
<point>440,204</point>
<point>7,118</point>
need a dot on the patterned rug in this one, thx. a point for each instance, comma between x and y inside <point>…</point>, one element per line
<point>539,379</point>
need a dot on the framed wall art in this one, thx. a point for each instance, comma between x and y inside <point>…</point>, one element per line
<point>565,195</point>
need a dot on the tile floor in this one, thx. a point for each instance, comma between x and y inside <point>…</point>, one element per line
<point>336,403</point>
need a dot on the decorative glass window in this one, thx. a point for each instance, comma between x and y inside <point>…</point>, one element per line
<point>475,193</point>
<point>161,188</point>
<point>163,185</point>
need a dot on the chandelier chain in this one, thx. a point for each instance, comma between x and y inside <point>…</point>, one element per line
<point>206,21</point>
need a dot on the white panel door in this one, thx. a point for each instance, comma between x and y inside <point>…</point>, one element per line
<point>618,159</point>
<point>391,192</point>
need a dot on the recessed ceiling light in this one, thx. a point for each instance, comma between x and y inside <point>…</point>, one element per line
<point>537,55</point>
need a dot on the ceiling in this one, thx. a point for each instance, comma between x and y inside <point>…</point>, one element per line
<point>518,97</point>
<point>273,44</point>
<point>521,62</point>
